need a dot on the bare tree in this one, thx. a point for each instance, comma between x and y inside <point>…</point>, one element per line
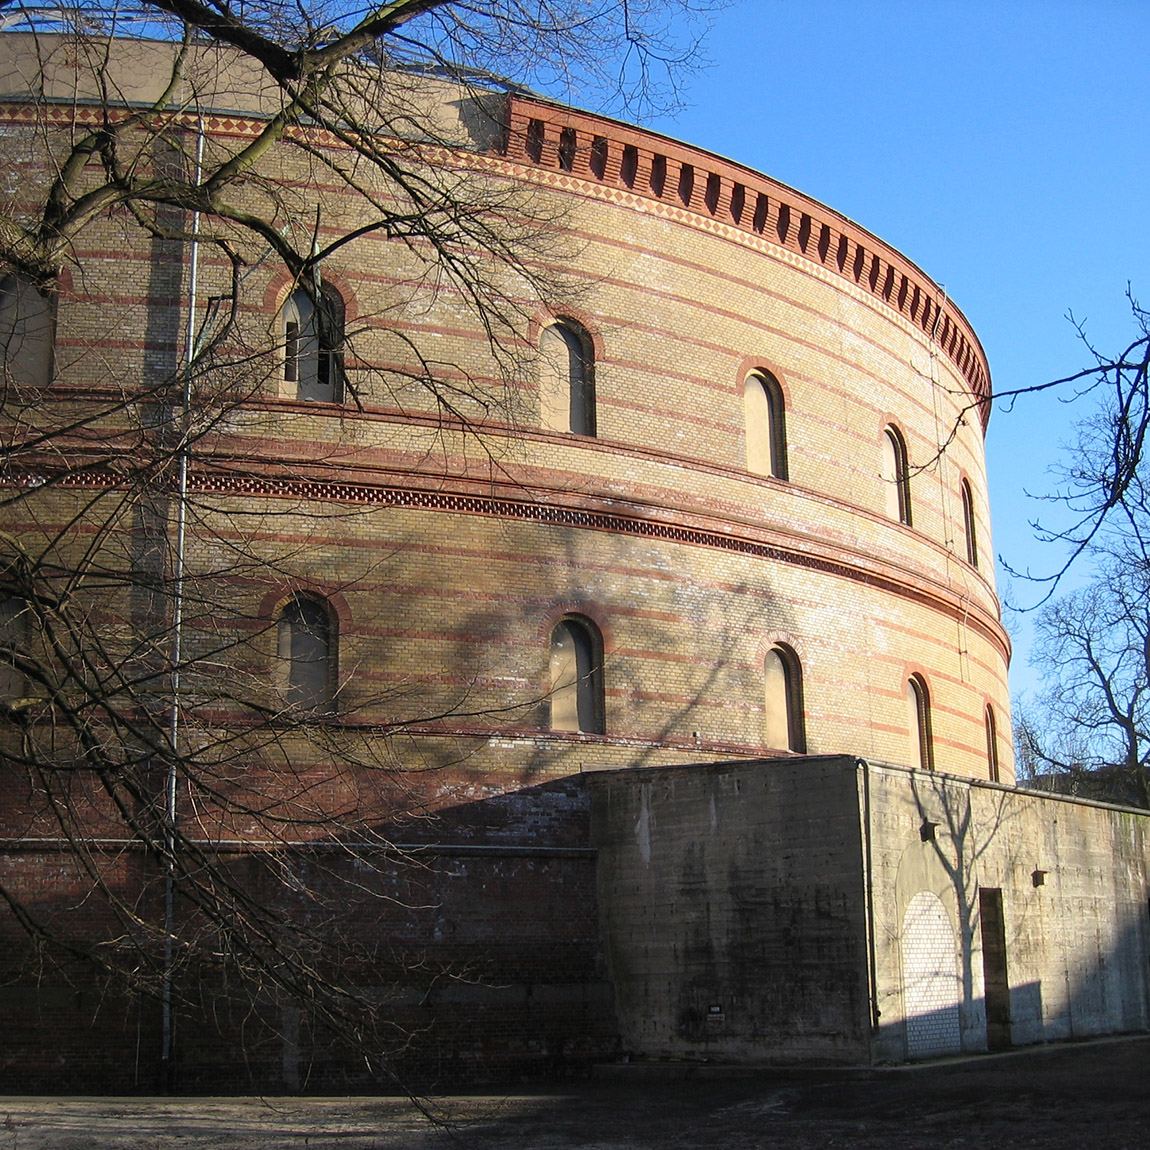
<point>213,783</point>
<point>1092,647</point>
<point>1103,484</point>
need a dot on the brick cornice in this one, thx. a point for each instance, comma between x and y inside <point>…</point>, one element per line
<point>575,148</point>
<point>574,151</point>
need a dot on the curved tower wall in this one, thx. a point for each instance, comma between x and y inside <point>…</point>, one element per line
<point>448,550</point>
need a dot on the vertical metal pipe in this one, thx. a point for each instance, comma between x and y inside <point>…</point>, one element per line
<point>170,790</point>
<point>868,896</point>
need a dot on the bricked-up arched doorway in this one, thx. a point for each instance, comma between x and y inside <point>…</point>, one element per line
<point>930,982</point>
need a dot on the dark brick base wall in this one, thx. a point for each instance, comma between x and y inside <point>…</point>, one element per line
<point>483,953</point>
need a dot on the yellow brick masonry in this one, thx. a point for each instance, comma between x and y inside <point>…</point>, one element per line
<point>448,611</point>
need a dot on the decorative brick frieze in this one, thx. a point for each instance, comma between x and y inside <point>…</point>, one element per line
<point>320,491</point>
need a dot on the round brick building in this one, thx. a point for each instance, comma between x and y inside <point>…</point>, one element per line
<point>728,500</point>
<point>356,477</point>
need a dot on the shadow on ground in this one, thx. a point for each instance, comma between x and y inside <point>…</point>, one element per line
<point>1060,1097</point>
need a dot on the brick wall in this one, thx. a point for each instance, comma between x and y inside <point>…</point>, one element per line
<point>452,546</point>
<point>479,946</point>
<point>448,539</point>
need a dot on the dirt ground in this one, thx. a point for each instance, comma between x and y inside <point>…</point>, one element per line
<point>1078,1096</point>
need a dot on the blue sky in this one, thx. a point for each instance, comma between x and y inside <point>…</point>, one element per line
<point>1000,144</point>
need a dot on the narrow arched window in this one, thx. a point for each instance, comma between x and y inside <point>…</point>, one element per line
<point>918,724</point>
<point>307,655</point>
<point>896,476</point>
<point>783,701</point>
<point>766,425</point>
<point>577,677</point>
<point>566,379</point>
<point>969,528</point>
<point>25,333</point>
<point>991,744</point>
<point>313,344</point>
<point>13,644</point>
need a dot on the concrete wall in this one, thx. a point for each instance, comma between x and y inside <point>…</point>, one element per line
<point>1077,945</point>
<point>732,908</point>
<point>745,887</point>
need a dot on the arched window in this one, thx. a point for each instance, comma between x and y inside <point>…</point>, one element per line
<point>13,641</point>
<point>969,528</point>
<point>313,343</point>
<point>918,723</point>
<point>577,677</point>
<point>766,425</point>
<point>783,700</point>
<point>896,475</point>
<point>307,655</point>
<point>567,379</point>
<point>991,744</point>
<point>25,333</point>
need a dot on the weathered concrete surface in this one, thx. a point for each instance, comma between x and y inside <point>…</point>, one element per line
<point>1072,877</point>
<point>732,904</point>
<point>1060,1098</point>
<point>832,909</point>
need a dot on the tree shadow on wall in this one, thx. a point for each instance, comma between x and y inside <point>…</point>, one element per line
<point>977,837</point>
<point>682,669</point>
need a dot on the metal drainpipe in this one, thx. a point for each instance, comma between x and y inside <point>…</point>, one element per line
<point>170,805</point>
<point>868,895</point>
